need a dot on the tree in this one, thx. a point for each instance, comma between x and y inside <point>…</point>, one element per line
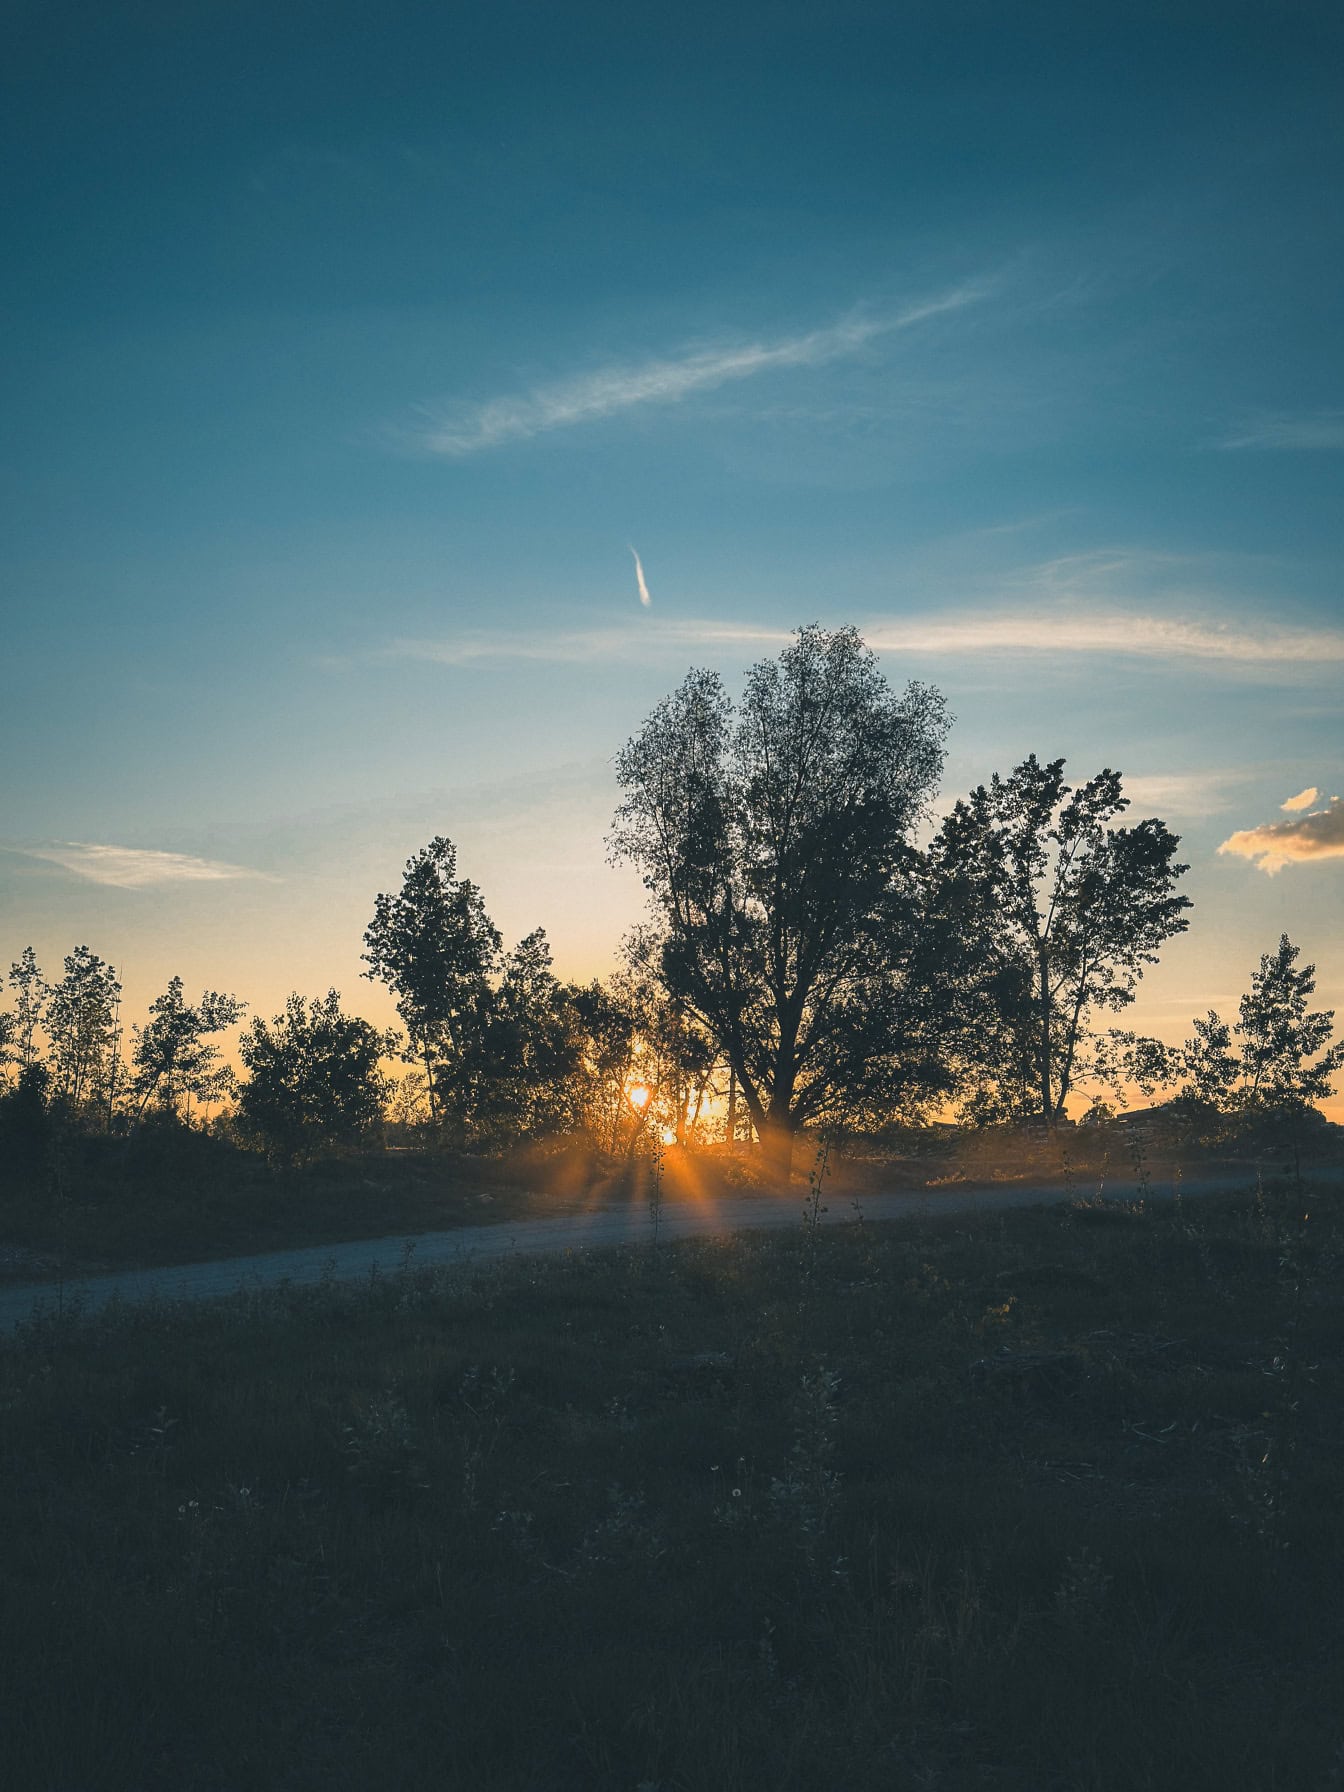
<point>406,1103</point>
<point>313,1078</point>
<point>8,1034</point>
<point>530,1048</point>
<point>773,838</point>
<point>1067,908</point>
<point>433,945</point>
<point>1210,1063</point>
<point>171,1060</point>
<point>679,1059</point>
<point>1278,1059</point>
<point>81,1023</point>
<point>609,1018</point>
<point>32,993</point>
<point>635,1036</point>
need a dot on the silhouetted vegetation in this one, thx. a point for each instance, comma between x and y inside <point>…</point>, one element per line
<point>805,967</point>
<point>1058,910</point>
<point>313,1079</point>
<point>774,838</point>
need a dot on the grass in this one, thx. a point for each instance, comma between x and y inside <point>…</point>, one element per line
<point>173,1195</point>
<point>185,1197</point>
<point>1045,1501</point>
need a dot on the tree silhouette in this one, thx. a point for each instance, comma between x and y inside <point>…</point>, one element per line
<point>773,837</point>
<point>31,992</point>
<point>634,1032</point>
<point>609,1015</point>
<point>1278,1057</point>
<point>1067,909</point>
<point>530,1048</point>
<point>80,1022</point>
<point>313,1078</point>
<point>433,945</point>
<point>172,1059</point>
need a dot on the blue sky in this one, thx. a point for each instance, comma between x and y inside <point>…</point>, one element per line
<point>347,355</point>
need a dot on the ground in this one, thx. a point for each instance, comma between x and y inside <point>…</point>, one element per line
<point>1043,1500</point>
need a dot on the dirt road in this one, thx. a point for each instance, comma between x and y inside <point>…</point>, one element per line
<point>576,1232</point>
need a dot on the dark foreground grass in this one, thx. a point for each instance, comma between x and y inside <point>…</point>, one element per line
<point>1051,1500</point>
<point>183,1197</point>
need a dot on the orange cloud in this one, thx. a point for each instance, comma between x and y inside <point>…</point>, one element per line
<point>1303,800</point>
<point>1319,835</point>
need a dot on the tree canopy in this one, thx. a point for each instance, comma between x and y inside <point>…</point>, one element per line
<point>1279,1056</point>
<point>773,836</point>
<point>1065,909</point>
<point>313,1077</point>
<point>80,1018</point>
<point>433,945</point>
<point>172,1059</point>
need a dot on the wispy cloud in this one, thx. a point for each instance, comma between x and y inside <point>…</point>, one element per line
<point>644,597</point>
<point>1181,793</point>
<point>133,867</point>
<point>459,429</point>
<point>1318,835</point>
<point>1285,432</point>
<point>1303,800</point>
<point>1135,636</point>
<point>583,646</point>
<point>1036,632</point>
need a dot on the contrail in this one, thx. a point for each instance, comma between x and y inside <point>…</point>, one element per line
<point>644,597</point>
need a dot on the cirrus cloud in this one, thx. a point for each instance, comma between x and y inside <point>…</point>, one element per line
<point>1318,834</point>
<point>1040,630</point>
<point>134,867</point>
<point>461,429</point>
<point>1288,432</point>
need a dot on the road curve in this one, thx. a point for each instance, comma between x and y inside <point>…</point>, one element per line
<point>571,1232</point>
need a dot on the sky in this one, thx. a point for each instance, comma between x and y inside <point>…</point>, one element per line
<point>398,401</point>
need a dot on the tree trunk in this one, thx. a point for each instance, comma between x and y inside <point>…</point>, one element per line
<point>731,1131</point>
<point>777,1147</point>
<point>431,1092</point>
<point>1043,1052</point>
<point>693,1119</point>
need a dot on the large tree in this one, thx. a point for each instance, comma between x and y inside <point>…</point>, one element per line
<point>774,839</point>
<point>1065,908</point>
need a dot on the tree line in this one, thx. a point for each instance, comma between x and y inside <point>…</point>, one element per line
<point>804,961</point>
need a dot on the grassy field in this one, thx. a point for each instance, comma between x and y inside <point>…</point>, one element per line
<point>186,1197</point>
<point>173,1195</point>
<point>1046,1501</point>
